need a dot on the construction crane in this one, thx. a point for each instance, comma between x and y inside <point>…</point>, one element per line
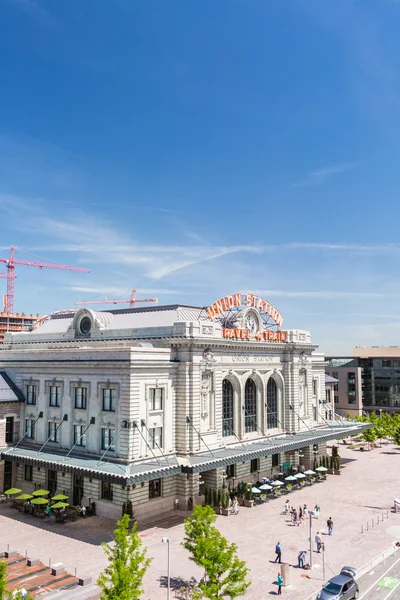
<point>10,264</point>
<point>132,300</point>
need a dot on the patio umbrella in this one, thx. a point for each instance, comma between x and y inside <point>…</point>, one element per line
<point>290,478</point>
<point>309,472</point>
<point>40,493</point>
<point>24,497</point>
<point>299,476</point>
<point>322,469</point>
<point>265,486</point>
<point>266,479</point>
<point>60,505</point>
<point>277,483</point>
<point>12,491</point>
<point>39,501</point>
<point>60,497</point>
<point>255,490</point>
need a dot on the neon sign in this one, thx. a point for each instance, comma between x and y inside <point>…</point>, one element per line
<point>247,300</point>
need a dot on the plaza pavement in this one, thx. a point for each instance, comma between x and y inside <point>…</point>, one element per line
<point>365,489</point>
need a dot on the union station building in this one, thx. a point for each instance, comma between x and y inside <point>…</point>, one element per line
<point>154,404</point>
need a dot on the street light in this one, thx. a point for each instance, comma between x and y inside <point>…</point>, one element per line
<point>313,515</point>
<point>167,541</point>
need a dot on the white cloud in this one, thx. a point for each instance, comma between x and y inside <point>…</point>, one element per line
<point>323,294</point>
<point>321,175</point>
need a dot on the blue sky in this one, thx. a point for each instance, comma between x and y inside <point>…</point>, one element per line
<point>193,149</point>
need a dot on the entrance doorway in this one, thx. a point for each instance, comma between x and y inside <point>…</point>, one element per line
<point>52,482</point>
<point>9,430</point>
<point>7,475</point>
<point>77,490</point>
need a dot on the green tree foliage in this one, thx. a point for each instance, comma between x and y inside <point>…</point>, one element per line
<point>225,574</point>
<point>369,435</point>
<point>122,579</point>
<point>8,594</point>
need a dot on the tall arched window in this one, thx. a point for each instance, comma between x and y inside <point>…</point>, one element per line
<point>250,406</point>
<point>227,408</point>
<point>272,404</point>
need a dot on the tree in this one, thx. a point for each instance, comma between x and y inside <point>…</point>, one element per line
<point>9,594</point>
<point>369,435</point>
<point>225,574</point>
<point>122,579</point>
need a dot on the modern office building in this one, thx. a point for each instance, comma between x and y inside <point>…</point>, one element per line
<point>153,404</point>
<point>368,381</point>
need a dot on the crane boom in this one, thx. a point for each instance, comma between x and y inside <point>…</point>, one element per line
<point>131,301</point>
<point>10,264</point>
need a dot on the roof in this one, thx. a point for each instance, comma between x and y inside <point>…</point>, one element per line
<point>9,392</point>
<point>222,457</point>
<point>122,473</point>
<point>340,579</point>
<point>329,379</point>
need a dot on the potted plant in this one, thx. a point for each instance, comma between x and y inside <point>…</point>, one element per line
<point>248,496</point>
<point>277,491</point>
<point>289,487</point>
<point>302,482</point>
<point>225,504</point>
<point>263,497</point>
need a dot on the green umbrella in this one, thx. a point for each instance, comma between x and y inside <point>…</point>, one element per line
<point>60,497</point>
<point>39,501</point>
<point>24,497</point>
<point>41,493</point>
<point>60,505</point>
<point>12,491</point>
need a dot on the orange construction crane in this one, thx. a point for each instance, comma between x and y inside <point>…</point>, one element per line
<point>132,300</point>
<point>10,264</point>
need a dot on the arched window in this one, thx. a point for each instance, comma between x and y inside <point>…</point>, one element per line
<point>272,404</point>
<point>250,406</point>
<point>227,408</point>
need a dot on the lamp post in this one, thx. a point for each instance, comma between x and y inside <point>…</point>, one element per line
<point>313,515</point>
<point>167,541</point>
<point>323,560</point>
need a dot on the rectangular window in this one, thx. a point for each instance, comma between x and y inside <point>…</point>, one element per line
<point>335,374</point>
<point>336,387</point>
<point>230,471</point>
<point>52,432</point>
<point>156,398</point>
<point>31,394</point>
<point>336,399</point>
<point>30,429</point>
<point>81,397</point>
<point>351,400</point>
<point>9,430</point>
<point>106,491</point>
<point>275,460</point>
<point>79,435</point>
<point>28,475</point>
<point>315,387</point>
<point>254,465</point>
<point>154,489</point>
<point>109,399</point>
<point>107,439</point>
<point>155,435</point>
<point>386,363</point>
<point>55,395</point>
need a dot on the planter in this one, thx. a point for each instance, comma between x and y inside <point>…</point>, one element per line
<point>248,503</point>
<point>333,472</point>
<point>225,512</point>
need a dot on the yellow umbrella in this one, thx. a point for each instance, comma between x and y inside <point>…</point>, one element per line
<point>24,497</point>
<point>39,501</point>
<point>40,493</point>
<point>60,497</point>
<point>12,491</point>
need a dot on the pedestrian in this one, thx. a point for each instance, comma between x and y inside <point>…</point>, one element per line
<point>317,508</point>
<point>330,525</point>
<point>318,541</point>
<point>280,583</point>
<point>278,552</point>
<point>235,506</point>
<point>301,558</point>
<point>286,507</point>
<point>300,513</point>
<point>305,511</point>
<point>295,521</point>
<point>48,511</point>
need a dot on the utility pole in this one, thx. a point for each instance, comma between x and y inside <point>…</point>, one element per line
<point>323,560</point>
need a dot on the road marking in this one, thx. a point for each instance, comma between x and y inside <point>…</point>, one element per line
<point>380,577</point>
<point>388,582</point>
<point>391,591</point>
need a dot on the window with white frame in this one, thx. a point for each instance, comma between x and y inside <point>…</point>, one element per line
<point>315,387</point>
<point>107,439</point>
<point>80,435</point>
<point>55,395</point>
<point>29,429</point>
<point>155,435</point>
<point>81,397</point>
<point>31,391</point>
<point>156,398</point>
<point>109,399</point>
<point>52,431</point>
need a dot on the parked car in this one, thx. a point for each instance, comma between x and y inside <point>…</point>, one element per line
<point>341,587</point>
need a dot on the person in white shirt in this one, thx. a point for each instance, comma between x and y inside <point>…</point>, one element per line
<point>318,541</point>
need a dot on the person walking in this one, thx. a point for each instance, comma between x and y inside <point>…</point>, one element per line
<point>280,583</point>
<point>301,558</point>
<point>278,552</point>
<point>330,525</point>
<point>318,541</point>
<point>286,507</point>
<point>300,514</point>
<point>295,520</point>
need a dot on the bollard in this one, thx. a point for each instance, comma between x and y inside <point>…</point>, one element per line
<point>76,571</point>
<point>49,563</point>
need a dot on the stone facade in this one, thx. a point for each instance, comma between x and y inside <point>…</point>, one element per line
<point>152,386</point>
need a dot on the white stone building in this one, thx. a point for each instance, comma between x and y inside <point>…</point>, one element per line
<point>147,404</point>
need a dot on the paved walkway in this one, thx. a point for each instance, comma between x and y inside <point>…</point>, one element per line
<point>365,490</point>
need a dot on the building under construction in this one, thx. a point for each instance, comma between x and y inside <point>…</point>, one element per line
<point>17,322</point>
